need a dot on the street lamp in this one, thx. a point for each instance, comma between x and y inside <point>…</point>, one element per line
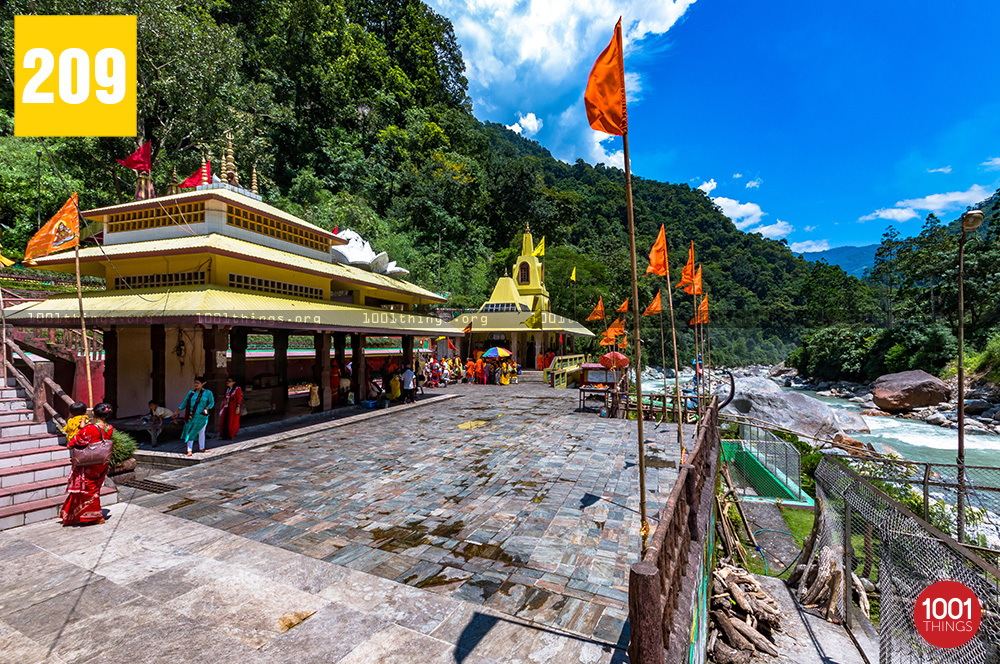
<point>971,220</point>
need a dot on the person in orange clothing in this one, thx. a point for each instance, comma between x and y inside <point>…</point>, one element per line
<point>470,369</point>
<point>539,362</point>
<point>479,370</point>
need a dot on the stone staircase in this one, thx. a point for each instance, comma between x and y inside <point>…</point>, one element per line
<point>34,463</point>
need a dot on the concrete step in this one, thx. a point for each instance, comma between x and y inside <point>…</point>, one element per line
<point>45,508</point>
<point>34,455</point>
<point>26,493</point>
<point>14,403</point>
<point>34,472</point>
<point>17,415</point>
<point>29,442</point>
<point>12,429</point>
<point>11,392</point>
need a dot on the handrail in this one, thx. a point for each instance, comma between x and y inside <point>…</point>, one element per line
<point>54,414</point>
<point>21,354</point>
<point>18,376</point>
<point>58,391</point>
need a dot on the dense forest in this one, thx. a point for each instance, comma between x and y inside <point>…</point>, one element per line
<point>356,114</point>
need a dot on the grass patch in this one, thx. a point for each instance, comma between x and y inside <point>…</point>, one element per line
<point>800,521</point>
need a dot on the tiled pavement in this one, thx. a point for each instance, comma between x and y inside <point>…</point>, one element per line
<point>504,497</point>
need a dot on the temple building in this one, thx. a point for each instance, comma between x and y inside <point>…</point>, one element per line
<point>505,318</point>
<point>189,276</point>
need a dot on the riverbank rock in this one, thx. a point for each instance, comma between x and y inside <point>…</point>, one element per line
<point>849,421</point>
<point>875,412</point>
<point>763,400</point>
<point>977,406</point>
<point>847,441</point>
<point>907,390</point>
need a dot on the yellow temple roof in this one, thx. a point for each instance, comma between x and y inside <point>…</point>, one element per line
<point>514,322</point>
<point>505,293</point>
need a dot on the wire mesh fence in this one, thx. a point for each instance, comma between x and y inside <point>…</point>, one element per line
<point>893,556</point>
<point>763,465</point>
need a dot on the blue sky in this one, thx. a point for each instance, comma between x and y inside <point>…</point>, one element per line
<point>817,122</point>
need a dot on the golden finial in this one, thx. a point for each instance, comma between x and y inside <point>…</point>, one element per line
<point>527,228</point>
<point>234,178</point>
<point>206,158</point>
<point>222,167</point>
<point>253,180</point>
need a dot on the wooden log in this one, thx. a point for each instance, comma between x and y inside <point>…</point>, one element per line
<point>836,580</point>
<point>723,654</point>
<point>741,598</point>
<point>824,570</point>
<point>645,615</point>
<point>734,637</point>
<point>758,640</point>
<point>862,595</point>
<point>809,544</point>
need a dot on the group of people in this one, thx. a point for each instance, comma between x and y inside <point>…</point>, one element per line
<point>194,412</point>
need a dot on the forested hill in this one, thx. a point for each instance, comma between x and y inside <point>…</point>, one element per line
<point>853,260</point>
<point>355,114</point>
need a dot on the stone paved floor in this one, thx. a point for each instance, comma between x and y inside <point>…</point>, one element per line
<point>504,497</point>
<point>150,588</point>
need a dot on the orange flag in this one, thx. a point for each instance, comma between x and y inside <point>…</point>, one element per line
<point>605,95</point>
<point>623,344</point>
<point>618,327</point>
<point>702,316</point>
<point>624,308</point>
<point>694,288</point>
<point>61,232</point>
<point>655,307</point>
<point>608,340</point>
<point>658,256</point>
<point>598,312</point>
<point>687,274</point>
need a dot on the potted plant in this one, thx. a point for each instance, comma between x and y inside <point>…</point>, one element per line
<point>122,453</point>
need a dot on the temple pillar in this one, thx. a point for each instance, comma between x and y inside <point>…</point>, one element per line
<point>279,339</point>
<point>407,352</point>
<point>158,376</point>
<point>359,367</point>
<point>321,369</point>
<point>110,368</point>
<point>238,362</point>
<point>339,351</point>
<point>215,341</point>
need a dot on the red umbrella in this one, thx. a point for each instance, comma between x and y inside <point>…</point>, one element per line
<point>613,360</point>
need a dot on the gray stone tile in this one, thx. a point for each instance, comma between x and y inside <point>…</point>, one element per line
<point>412,608</point>
<point>328,635</point>
<point>16,648</point>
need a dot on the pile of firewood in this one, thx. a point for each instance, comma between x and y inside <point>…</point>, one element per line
<point>744,617</point>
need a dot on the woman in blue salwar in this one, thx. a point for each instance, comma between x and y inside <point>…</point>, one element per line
<point>196,406</point>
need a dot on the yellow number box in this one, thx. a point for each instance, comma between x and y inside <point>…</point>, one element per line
<point>75,76</point>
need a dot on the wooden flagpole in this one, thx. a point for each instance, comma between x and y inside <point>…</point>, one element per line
<point>644,530</point>
<point>83,324</point>
<point>663,360</point>
<point>678,401</point>
<point>3,341</point>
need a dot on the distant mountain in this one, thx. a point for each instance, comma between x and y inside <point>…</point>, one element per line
<point>852,260</point>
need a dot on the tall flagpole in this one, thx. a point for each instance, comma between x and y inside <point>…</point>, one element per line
<point>663,360</point>
<point>644,531</point>
<point>677,371</point>
<point>83,324</point>
<point>3,340</point>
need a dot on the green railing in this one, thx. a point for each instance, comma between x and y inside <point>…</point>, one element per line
<point>560,373</point>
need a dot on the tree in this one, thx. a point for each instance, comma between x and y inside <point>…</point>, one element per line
<point>886,267</point>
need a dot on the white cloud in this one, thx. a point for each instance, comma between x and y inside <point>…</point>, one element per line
<point>599,154</point>
<point>707,187</point>
<point>755,183</point>
<point>991,164</point>
<point>809,245</point>
<point>809,229</point>
<point>778,229</point>
<point>743,215</point>
<point>892,214</point>
<point>943,169</point>
<point>528,125</point>
<point>737,176</point>
<point>952,199</point>
<point>633,87</point>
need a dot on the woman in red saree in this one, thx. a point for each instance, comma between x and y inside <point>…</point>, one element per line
<point>83,490</point>
<point>229,416</point>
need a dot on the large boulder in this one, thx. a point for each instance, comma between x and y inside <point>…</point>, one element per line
<point>850,421</point>
<point>763,400</point>
<point>900,392</point>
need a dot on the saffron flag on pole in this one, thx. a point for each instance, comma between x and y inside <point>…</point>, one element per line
<point>605,95</point>
<point>655,307</point>
<point>702,317</point>
<point>140,160</point>
<point>540,249</point>
<point>694,288</point>
<point>468,328</point>
<point>598,312</point>
<point>572,277</point>
<point>623,344</point>
<point>534,321</point>
<point>618,327</point>
<point>624,308</point>
<point>203,174</point>
<point>658,256</point>
<point>62,231</point>
<point>452,346</point>
<point>607,340</point>
<point>687,274</point>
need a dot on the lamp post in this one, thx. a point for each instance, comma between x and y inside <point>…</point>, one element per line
<point>971,220</point>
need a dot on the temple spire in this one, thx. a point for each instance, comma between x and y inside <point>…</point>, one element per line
<point>253,180</point>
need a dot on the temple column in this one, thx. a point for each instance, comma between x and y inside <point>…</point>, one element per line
<point>339,350</point>
<point>321,369</point>
<point>215,341</point>
<point>158,376</point>
<point>407,352</point>
<point>238,362</point>
<point>280,342</point>
<point>110,368</point>
<point>359,367</point>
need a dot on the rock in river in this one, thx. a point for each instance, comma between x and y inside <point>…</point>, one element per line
<point>907,390</point>
<point>763,400</point>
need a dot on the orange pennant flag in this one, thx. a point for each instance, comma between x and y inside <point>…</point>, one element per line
<point>655,307</point>
<point>623,344</point>
<point>61,232</point>
<point>658,256</point>
<point>598,312</point>
<point>687,274</point>
<point>605,95</point>
<point>618,327</point>
<point>694,288</point>
<point>702,317</point>
<point>624,308</point>
<point>607,340</point>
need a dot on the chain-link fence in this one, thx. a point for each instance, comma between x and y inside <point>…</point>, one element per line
<point>894,555</point>
<point>762,465</point>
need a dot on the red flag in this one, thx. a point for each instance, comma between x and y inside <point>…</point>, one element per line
<point>687,274</point>
<point>624,308</point>
<point>605,95</point>
<point>598,312</point>
<point>140,160</point>
<point>655,307</point>
<point>658,256</point>
<point>694,288</point>
<point>452,346</point>
<point>203,174</point>
<point>62,231</point>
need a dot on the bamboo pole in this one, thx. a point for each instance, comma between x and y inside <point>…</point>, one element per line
<point>83,325</point>
<point>678,402</point>
<point>644,530</point>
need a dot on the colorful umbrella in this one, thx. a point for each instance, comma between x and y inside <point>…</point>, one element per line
<point>613,360</point>
<point>497,352</point>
